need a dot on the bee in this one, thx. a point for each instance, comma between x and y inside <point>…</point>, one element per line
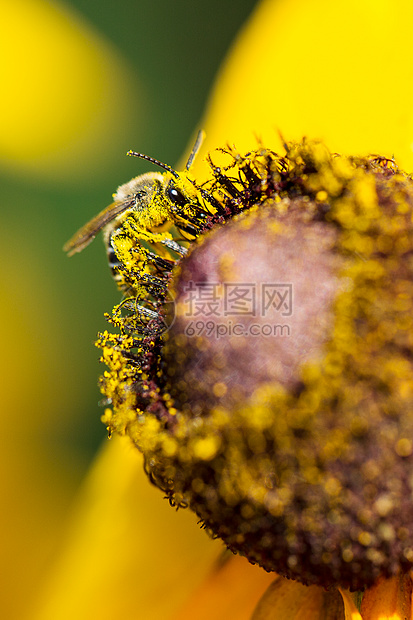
<point>142,207</point>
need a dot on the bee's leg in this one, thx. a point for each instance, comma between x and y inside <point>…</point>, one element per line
<point>174,246</point>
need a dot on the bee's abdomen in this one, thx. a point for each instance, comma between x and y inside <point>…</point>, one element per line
<point>114,262</point>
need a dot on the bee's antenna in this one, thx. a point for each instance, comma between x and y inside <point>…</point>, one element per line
<point>154,161</point>
<point>198,143</point>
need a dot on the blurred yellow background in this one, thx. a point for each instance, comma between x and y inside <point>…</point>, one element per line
<point>81,83</point>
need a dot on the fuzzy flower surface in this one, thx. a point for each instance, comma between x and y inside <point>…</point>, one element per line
<point>278,441</point>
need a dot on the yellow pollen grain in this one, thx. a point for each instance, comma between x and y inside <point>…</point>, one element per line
<point>383,505</point>
<point>275,507</point>
<point>375,556</point>
<point>106,418</point>
<point>321,196</point>
<point>386,532</point>
<point>205,448</point>
<point>342,168</point>
<point>219,389</point>
<point>366,195</point>
<point>404,447</point>
<point>170,446</point>
<point>347,555</point>
<point>332,486</point>
<point>364,538</point>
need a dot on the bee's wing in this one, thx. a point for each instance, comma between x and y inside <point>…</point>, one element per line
<point>89,231</point>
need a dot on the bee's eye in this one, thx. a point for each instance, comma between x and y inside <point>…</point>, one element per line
<point>176,196</point>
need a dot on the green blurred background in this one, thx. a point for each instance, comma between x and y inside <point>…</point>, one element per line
<point>144,85</point>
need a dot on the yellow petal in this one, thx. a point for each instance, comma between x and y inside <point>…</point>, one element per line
<point>389,599</point>
<point>38,479</point>
<point>230,591</point>
<point>126,548</point>
<point>289,600</point>
<point>350,610</point>
<point>341,72</point>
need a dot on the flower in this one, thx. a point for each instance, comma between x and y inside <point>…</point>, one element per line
<point>278,445</point>
<point>352,125</point>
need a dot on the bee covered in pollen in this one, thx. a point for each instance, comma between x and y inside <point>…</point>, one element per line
<point>157,216</point>
<point>141,225</point>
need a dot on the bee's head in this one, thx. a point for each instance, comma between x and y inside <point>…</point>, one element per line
<point>176,186</point>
